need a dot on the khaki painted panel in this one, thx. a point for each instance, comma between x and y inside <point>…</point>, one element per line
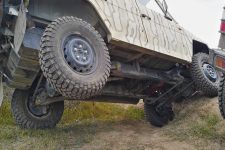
<point>126,26</point>
<point>187,45</point>
<point>128,5</point>
<point>158,18</point>
<point>163,35</point>
<point>157,37</point>
<point>191,35</point>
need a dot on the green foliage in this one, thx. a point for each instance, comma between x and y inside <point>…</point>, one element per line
<point>134,112</point>
<point>80,119</point>
<point>5,113</point>
<point>85,112</point>
<point>203,130</point>
<point>206,128</point>
<point>195,122</point>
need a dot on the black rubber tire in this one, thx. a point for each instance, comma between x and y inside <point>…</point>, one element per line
<point>58,73</point>
<point>154,118</point>
<point>221,97</point>
<point>26,120</point>
<point>202,83</point>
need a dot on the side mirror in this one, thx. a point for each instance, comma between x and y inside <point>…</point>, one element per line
<point>165,7</point>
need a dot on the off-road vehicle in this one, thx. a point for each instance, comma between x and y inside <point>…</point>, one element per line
<point>115,51</point>
<point>217,59</point>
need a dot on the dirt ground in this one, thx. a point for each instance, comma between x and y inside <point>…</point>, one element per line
<point>198,125</point>
<point>136,136</point>
<point>141,135</point>
<point>133,134</point>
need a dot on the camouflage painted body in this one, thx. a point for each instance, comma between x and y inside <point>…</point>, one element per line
<point>126,28</point>
<point>158,36</point>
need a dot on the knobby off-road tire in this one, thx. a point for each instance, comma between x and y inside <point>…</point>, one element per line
<point>155,118</point>
<point>221,97</point>
<point>26,119</point>
<point>67,74</point>
<point>201,81</point>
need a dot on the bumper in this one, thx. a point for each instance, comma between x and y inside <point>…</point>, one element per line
<point>213,55</point>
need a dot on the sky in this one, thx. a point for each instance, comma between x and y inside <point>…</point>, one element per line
<point>200,17</point>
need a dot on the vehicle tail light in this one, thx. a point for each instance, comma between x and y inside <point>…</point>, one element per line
<point>222,31</point>
<point>222,27</point>
<point>220,62</point>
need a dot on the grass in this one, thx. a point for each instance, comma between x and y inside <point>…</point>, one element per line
<point>86,112</point>
<point>83,121</point>
<point>206,127</point>
<point>80,123</point>
<point>197,123</point>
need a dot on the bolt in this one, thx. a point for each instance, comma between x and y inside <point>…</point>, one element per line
<point>80,46</point>
<point>39,101</point>
<point>75,49</point>
<point>78,57</point>
<point>85,52</point>
<point>84,58</point>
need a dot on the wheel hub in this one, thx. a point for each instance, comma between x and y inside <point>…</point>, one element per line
<point>36,109</point>
<point>210,72</point>
<point>161,111</point>
<point>79,55</point>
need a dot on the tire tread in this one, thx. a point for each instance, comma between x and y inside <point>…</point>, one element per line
<point>20,116</point>
<point>202,83</point>
<point>61,82</point>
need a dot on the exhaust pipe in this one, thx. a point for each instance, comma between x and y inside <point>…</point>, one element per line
<point>137,72</point>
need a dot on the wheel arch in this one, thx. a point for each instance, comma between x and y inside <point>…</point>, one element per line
<point>200,47</point>
<point>45,12</point>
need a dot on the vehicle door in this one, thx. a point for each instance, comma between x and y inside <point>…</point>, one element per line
<point>163,35</point>
<point>124,19</point>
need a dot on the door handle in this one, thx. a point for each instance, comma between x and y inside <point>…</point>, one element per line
<point>145,16</point>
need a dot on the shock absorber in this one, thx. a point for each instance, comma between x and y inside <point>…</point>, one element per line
<point>222,31</point>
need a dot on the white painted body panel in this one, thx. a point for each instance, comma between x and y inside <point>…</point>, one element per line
<point>158,36</point>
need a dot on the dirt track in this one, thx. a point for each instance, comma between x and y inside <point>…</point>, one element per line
<point>141,135</point>
<point>133,134</point>
<point>197,125</point>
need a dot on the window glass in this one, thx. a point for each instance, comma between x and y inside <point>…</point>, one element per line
<point>143,2</point>
<point>154,6</point>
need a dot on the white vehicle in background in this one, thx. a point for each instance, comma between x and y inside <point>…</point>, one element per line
<point>217,59</point>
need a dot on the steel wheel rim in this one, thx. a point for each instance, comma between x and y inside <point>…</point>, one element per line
<point>210,72</point>
<point>79,54</point>
<point>36,110</point>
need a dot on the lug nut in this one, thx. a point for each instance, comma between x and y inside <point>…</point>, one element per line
<point>78,57</point>
<point>80,46</point>
<point>85,52</point>
<point>75,49</point>
<point>84,58</point>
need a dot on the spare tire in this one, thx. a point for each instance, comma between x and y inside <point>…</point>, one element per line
<point>205,77</point>
<point>74,58</point>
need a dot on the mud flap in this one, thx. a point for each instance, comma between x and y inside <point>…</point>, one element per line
<point>1,90</point>
<point>20,27</point>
